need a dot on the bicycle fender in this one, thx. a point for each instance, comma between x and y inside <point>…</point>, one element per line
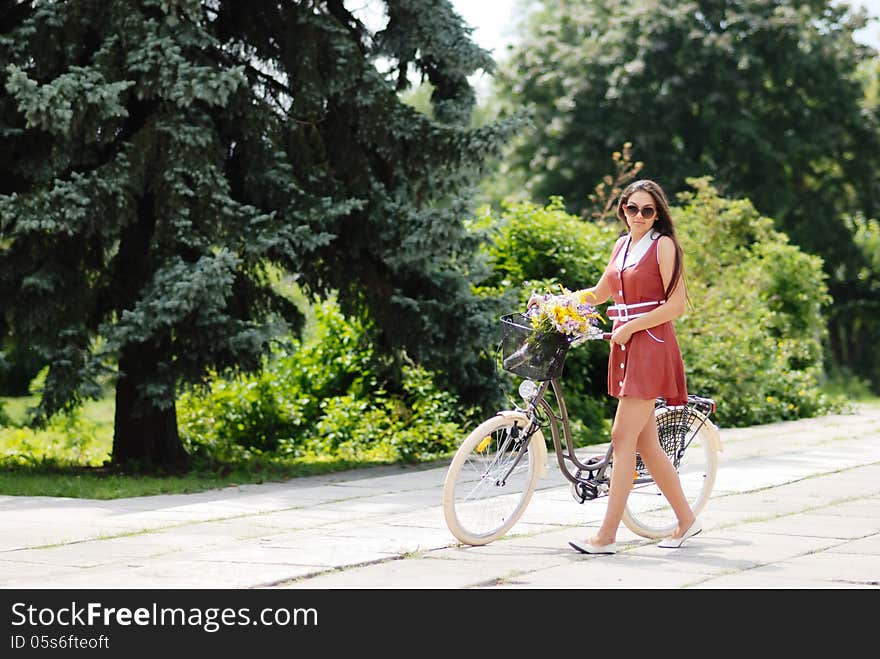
<point>538,445</point>
<point>713,432</point>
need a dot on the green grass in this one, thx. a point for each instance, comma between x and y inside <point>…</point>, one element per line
<point>55,480</point>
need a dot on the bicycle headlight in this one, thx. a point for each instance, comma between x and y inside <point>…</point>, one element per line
<point>528,390</point>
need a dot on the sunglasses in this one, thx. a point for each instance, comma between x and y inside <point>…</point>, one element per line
<point>647,211</point>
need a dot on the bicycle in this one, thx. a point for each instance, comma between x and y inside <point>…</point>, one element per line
<point>495,470</point>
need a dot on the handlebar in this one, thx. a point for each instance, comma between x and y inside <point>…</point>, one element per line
<point>591,336</point>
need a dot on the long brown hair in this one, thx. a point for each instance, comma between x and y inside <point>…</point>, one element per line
<point>663,224</point>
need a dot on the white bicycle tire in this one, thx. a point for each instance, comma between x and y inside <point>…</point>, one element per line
<point>460,511</point>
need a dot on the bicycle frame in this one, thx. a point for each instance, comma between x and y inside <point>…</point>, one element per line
<point>562,441</point>
<point>590,473</point>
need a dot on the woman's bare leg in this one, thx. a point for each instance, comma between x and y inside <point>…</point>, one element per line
<point>664,474</point>
<point>629,420</point>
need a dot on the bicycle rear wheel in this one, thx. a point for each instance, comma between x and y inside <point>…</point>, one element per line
<point>647,512</point>
<point>489,482</point>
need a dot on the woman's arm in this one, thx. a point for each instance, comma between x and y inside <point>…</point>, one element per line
<point>598,293</point>
<point>602,290</point>
<point>675,303</point>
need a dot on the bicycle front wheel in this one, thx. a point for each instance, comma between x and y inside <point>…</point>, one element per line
<point>489,482</point>
<point>647,512</point>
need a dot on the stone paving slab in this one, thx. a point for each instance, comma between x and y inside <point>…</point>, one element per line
<point>859,570</point>
<point>432,573</point>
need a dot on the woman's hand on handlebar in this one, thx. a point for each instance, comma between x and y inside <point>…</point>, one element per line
<point>621,335</point>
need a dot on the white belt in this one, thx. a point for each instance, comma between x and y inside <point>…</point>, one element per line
<point>622,312</point>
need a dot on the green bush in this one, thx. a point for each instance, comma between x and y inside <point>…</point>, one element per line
<point>753,337</point>
<point>534,244</point>
<point>321,398</point>
<point>421,424</point>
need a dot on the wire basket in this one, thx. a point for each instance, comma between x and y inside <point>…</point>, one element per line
<point>531,354</point>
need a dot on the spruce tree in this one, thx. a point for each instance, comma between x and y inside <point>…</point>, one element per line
<point>160,156</point>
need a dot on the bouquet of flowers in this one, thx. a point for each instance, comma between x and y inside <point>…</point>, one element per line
<point>569,313</point>
<point>555,320</point>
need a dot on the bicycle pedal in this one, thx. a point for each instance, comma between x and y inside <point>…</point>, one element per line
<point>582,492</point>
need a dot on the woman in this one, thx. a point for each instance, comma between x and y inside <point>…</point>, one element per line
<point>645,278</point>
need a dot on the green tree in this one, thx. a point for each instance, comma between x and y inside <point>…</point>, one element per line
<point>160,156</point>
<point>766,97</point>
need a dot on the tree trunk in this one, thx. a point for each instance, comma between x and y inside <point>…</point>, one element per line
<point>144,433</point>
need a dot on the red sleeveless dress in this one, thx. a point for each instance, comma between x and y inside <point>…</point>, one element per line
<point>649,365</point>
